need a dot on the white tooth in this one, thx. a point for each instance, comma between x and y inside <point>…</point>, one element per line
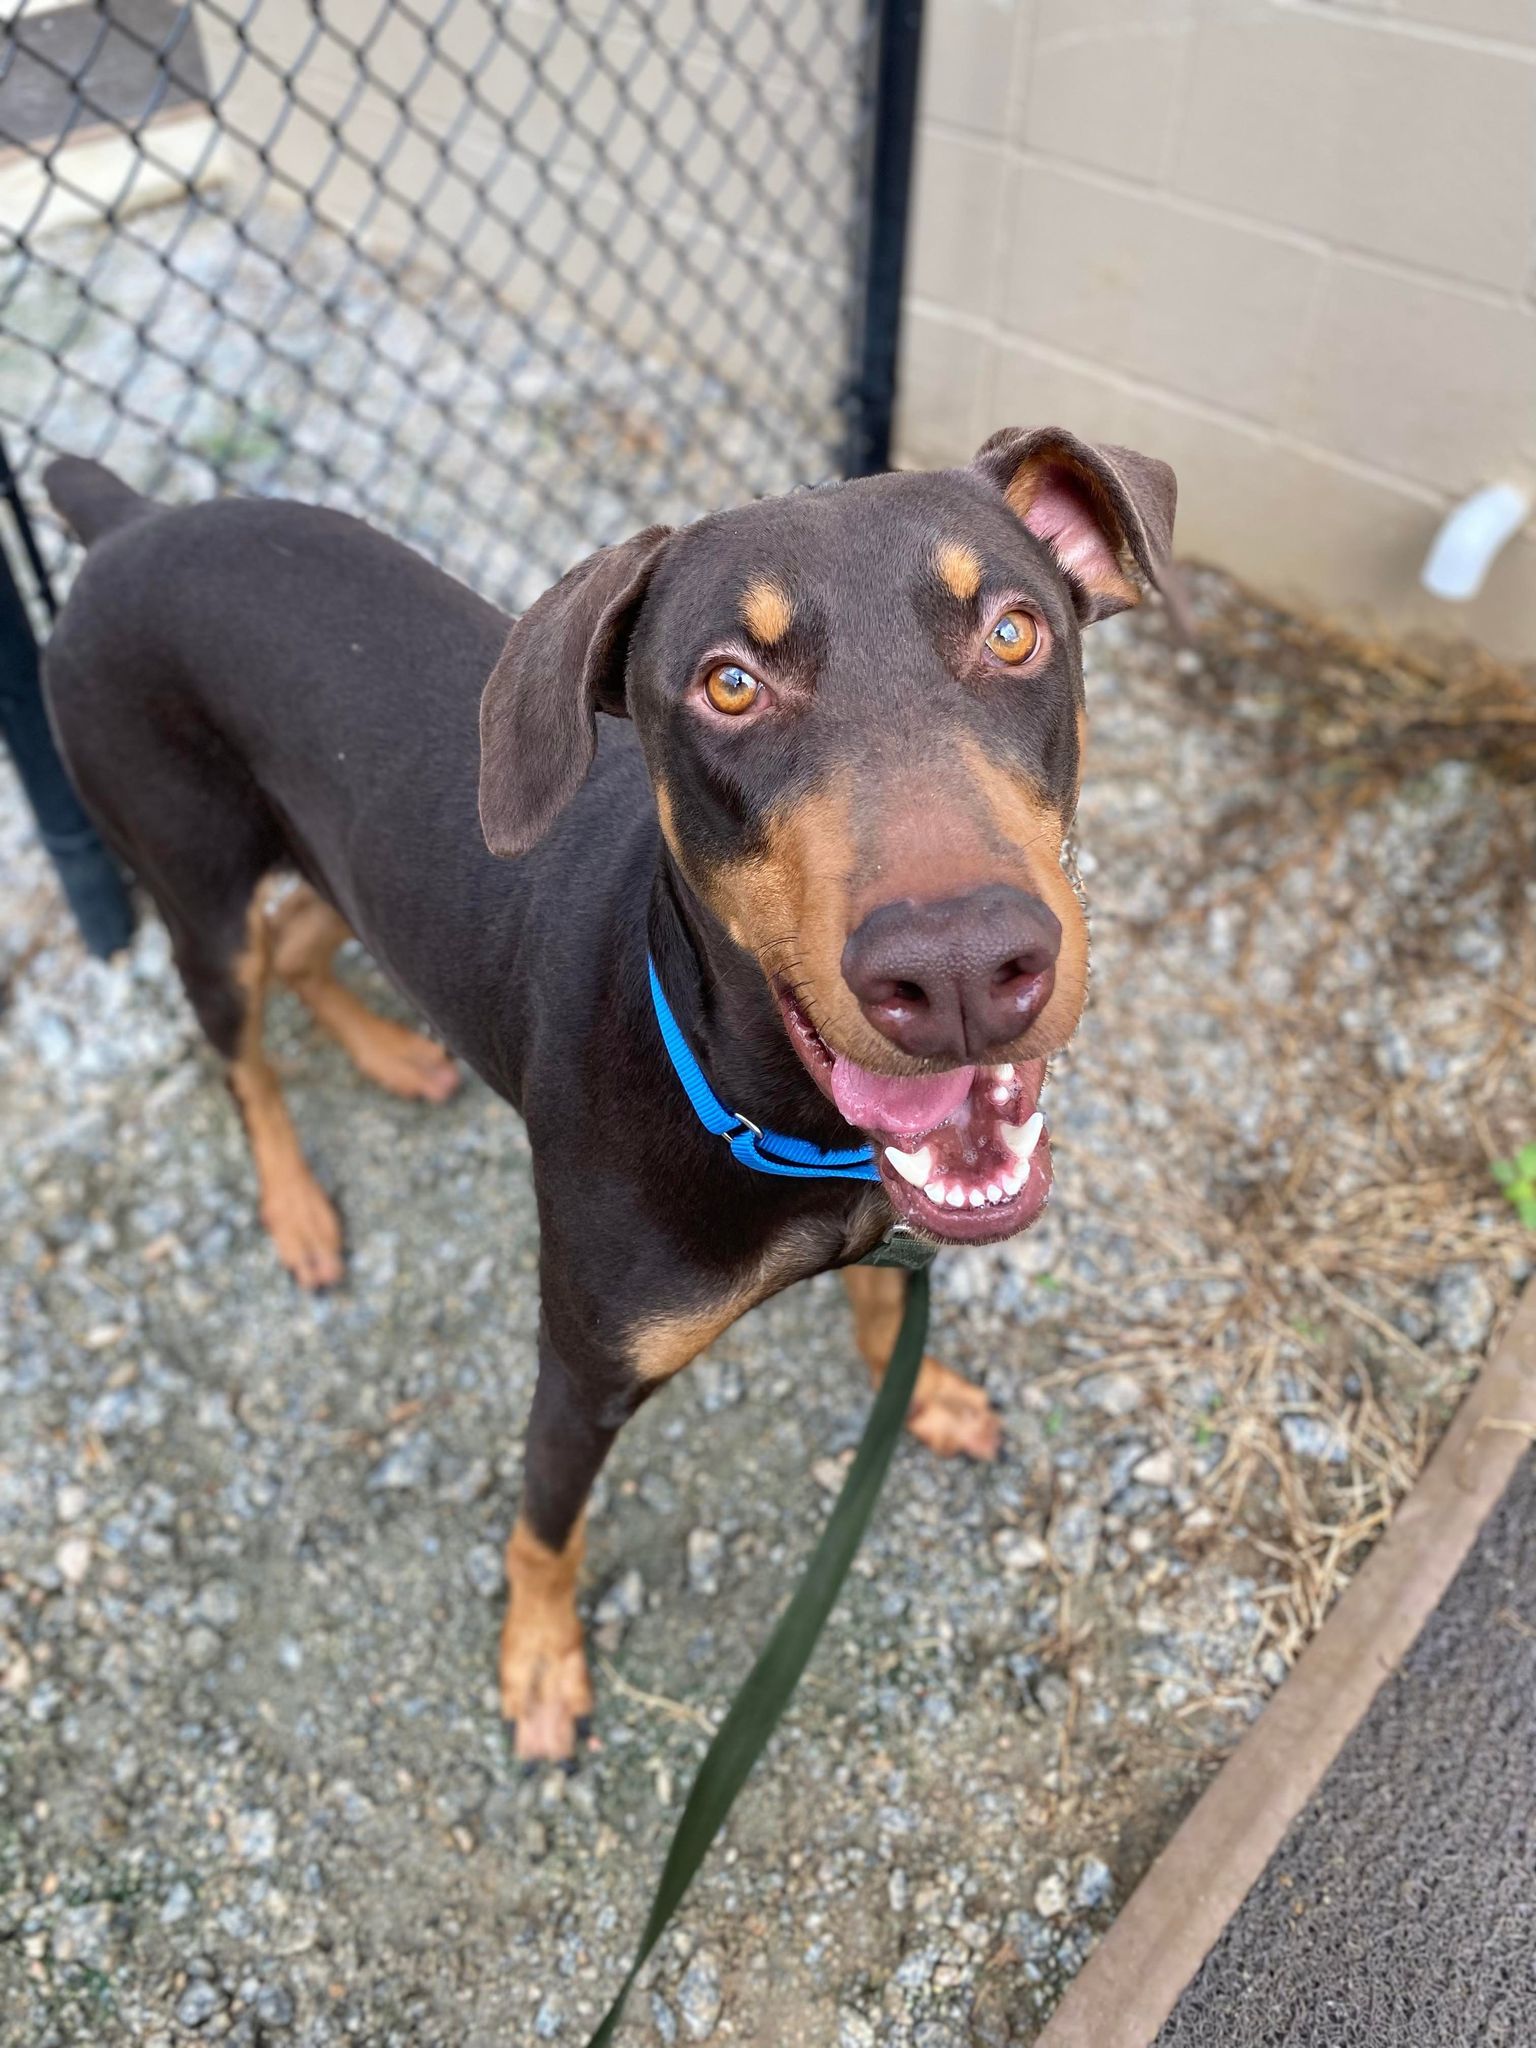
<point>1021,1140</point>
<point>935,1192</point>
<point>1012,1182</point>
<point>956,1197</point>
<point>1003,1073</point>
<point>977,1198</point>
<point>1002,1097</point>
<point>912,1166</point>
<point>994,1192</point>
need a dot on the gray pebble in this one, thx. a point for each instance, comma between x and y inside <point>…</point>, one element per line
<point>1314,1436</point>
<point>177,1904</point>
<point>218,1604</point>
<point>1464,1309</point>
<point>483,1568</point>
<point>202,1646</point>
<point>253,1834</point>
<point>407,1468</point>
<point>1112,1393</point>
<point>623,1601</point>
<point>1074,1538</point>
<point>1095,1885</point>
<point>1158,1471</point>
<point>199,2003</point>
<point>1018,1552</point>
<point>274,2006</point>
<point>81,1935</point>
<point>698,1997</point>
<point>705,1550</point>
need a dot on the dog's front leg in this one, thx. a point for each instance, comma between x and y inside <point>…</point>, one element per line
<point>948,1413</point>
<point>546,1692</point>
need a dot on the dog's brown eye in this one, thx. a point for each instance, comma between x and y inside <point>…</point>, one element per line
<point>731,690</point>
<point>1014,638</point>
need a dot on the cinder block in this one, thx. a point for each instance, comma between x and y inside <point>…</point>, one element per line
<point>1507,21</point>
<point>1103,81</point>
<point>953,251</point>
<point>970,51</point>
<point>1396,144</point>
<point>944,394</point>
<point>1420,378</point>
<point>1211,308</point>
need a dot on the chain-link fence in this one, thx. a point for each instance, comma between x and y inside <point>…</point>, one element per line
<point>509,280</point>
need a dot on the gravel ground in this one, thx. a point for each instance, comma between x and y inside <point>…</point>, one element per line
<point>252,1786</point>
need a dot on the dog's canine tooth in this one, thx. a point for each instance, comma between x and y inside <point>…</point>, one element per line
<point>1021,1139</point>
<point>913,1167</point>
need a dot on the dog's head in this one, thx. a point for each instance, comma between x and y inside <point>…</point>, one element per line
<point>862,712</point>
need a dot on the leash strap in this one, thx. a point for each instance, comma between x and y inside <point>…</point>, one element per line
<point>764,1151</point>
<point>756,1710</point>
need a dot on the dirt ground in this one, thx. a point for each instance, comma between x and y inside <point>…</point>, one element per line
<point>252,1784</point>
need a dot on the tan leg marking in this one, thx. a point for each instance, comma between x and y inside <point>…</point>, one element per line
<point>545,1686</point>
<point>295,1208</point>
<point>305,935</point>
<point>661,1345</point>
<point>948,1414</point>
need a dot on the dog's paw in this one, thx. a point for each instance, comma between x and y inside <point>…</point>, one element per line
<point>405,1063</point>
<point>302,1222</point>
<point>952,1417</point>
<point>546,1701</point>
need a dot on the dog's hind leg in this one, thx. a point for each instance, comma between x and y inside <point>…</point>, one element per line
<point>296,1210</point>
<point>306,932</point>
<point>948,1414</point>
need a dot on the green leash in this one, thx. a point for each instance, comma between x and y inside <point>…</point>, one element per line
<point>754,1714</point>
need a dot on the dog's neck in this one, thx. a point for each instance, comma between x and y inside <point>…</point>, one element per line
<point>728,1015</point>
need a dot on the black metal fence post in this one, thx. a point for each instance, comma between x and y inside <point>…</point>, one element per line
<point>897,29</point>
<point>89,876</point>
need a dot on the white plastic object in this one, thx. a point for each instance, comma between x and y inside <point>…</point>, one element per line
<point>1470,537</point>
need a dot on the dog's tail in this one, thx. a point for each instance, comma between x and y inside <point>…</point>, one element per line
<point>91,498</point>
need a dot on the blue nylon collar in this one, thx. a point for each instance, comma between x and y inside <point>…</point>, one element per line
<point>764,1151</point>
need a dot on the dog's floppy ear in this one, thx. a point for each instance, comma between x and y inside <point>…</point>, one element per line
<point>1092,505</point>
<point>562,664</point>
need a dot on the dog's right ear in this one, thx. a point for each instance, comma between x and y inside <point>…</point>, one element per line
<point>562,664</point>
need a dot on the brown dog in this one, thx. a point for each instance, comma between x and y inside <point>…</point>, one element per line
<point>843,748</point>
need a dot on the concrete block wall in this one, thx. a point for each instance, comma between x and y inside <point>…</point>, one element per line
<point>1288,245</point>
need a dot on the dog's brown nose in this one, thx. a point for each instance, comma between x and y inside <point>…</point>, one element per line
<point>954,979</point>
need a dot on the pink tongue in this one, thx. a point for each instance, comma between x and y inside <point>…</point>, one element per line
<point>902,1108</point>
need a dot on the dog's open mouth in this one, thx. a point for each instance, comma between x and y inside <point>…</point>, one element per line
<point>963,1155</point>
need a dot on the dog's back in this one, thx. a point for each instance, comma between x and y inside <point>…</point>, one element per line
<point>255,648</point>
<point>250,684</point>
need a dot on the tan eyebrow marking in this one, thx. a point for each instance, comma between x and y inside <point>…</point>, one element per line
<point>959,568</point>
<point>766,611</point>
